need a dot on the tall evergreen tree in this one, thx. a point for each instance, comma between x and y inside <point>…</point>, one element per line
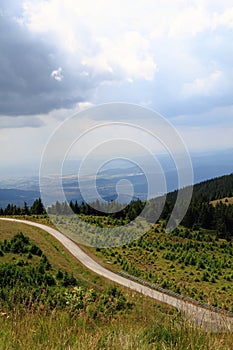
<point>37,207</point>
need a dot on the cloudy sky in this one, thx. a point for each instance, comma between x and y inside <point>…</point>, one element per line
<point>59,57</point>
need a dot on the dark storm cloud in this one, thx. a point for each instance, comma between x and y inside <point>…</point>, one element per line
<point>27,85</point>
<point>20,122</point>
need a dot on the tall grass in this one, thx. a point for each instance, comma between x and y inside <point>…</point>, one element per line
<point>142,329</point>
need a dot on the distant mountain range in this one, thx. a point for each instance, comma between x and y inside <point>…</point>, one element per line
<point>205,166</point>
<point>17,197</point>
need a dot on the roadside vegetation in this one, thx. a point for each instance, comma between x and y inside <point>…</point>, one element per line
<point>49,301</point>
<point>193,263</point>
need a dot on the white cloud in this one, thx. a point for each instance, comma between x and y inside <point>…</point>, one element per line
<point>124,40</point>
<point>190,21</point>
<point>206,86</point>
<point>224,19</point>
<point>197,17</point>
<point>99,35</point>
<point>57,74</point>
<point>84,105</point>
<point>126,57</point>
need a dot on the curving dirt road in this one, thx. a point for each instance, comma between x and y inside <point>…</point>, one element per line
<point>202,317</point>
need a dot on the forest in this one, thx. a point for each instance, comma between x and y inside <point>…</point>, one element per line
<point>201,212</point>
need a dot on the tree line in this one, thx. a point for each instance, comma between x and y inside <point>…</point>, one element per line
<point>37,208</point>
<point>203,214</point>
<point>113,209</point>
<point>200,213</point>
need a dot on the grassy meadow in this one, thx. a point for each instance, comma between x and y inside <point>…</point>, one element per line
<point>115,319</point>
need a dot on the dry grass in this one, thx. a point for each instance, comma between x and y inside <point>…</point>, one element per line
<point>60,331</point>
<point>225,200</point>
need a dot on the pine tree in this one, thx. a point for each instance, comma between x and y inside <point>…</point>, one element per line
<point>37,207</point>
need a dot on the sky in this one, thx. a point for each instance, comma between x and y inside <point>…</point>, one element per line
<point>60,57</point>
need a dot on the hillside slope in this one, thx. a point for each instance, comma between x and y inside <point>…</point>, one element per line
<point>144,325</point>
